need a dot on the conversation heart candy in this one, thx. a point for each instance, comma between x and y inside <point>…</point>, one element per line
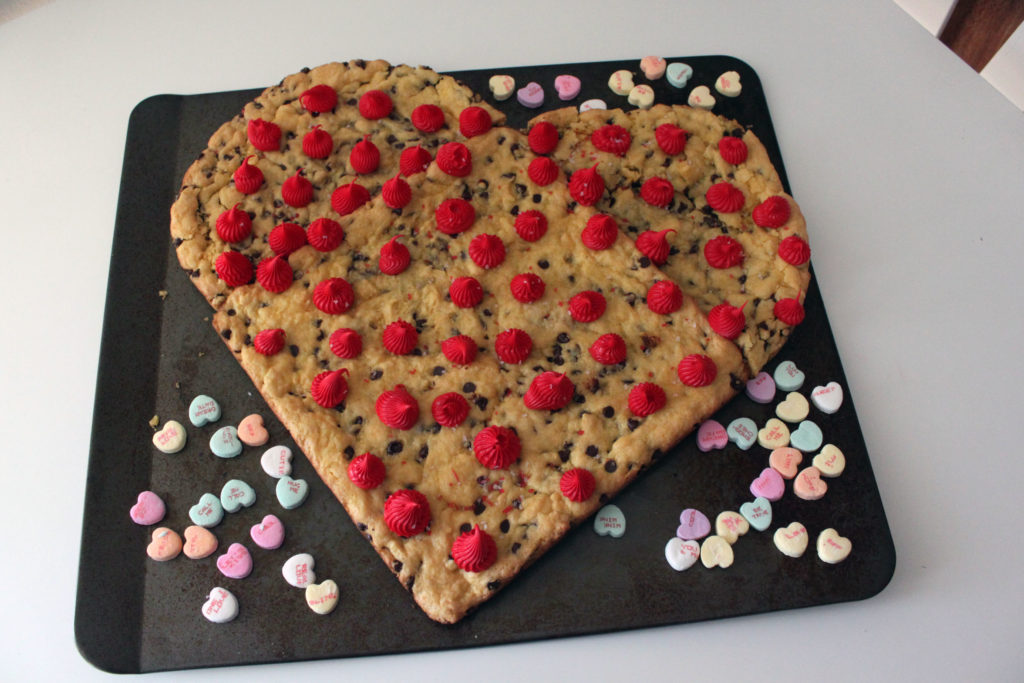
<point>769,484</point>
<point>268,534</point>
<point>224,443</point>
<point>530,95</point>
<point>593,104</point>
<point>761,389</point>
<point>730,526</point>
<point>678,74</point>
<point>277,461</point>
<point>653,67</point>
<point>291,493</point>
<point>235,495</point>
<point>199,542</point>
<point>681,555</point>
<point>728,84</point>
<point>807,437</point>
<point>828,398</point>
<point>758,513</point>
<point>567,86</point>
<point>171,437</point>
<point>149,509</point>
<point>788,376</point>
<point>809,485</point>
<point>775,434</point>
<point>166,544</point>
<point>715,551</point>
<point>251,431</point>
<point>621,82</point>
<point>236,563</point>
<point>701,97</point>
<point>785,461</point>
<point>830,462</point>
<point>203,410</point>
<point>207,512</point>
<point>221,606</point>
<point>609,521</point>
<point>711,434</point>
<point>641,96</point>
<point>833,548</point>
<point>502,86</point>
<point>322,598</point>
<point>298,570</point>
<point>791,540</point>
<point>743,432</point>
<point>794,408</point>
<point>693,525</point>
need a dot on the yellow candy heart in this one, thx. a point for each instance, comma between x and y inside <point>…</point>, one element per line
<point>641,96</point>
<point>716,552</point>
<point>170,438</point>
<point>728,84</point>
<point>701,97</point>
<point>774,435</point>
<point>791,540</point>
<point>830,462</point>
<point>322,598</point>
<point>502,86</point>
<point>731,525</point>
<point>621,82</point>
<point>833,548</point>
<point>794,409</point>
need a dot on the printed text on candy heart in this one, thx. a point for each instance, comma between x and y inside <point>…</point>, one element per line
<point>323,598</point>
<point>743,431</point>
<point>610,522</point>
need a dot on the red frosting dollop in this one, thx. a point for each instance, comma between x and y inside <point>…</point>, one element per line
<point>400,337</point>
<point>608,349</point>
<point>455,159</point>
<point>657,192</point>
<point>496,447</point>
<point>348,198</point>
<point>296,190</point>
<point>375,104</point>
<point>345,343</point>
<point>233,268</point>
<point>513,346</point>
<point>413,160</point>
<point>450,409</point>
<point>364,157</point>
<point>367,471</point>
<point>248,177</point>
<point>794,251</point>
<point>428,118</point>
<point>773,212</point>
<point>396,193</point>
<point>269,342</point>
<point>670,138</point>
<point>286,238</point>
<point>646,399</point>
<point>407,512</point>
<point>789,311</point>
<point>394,257</point>
<point>600,233</point>
<point>325,234</point>
<point>333,296</point>
<point>543,137</point>
<point>473,121</point>
<point>654,245</point>
<point>549,391</point>
<point>397,408</point>
<point>611,138</point>
<point>317,143</point>
<point>466,292</point>
<point>697,370</point>
<point>542,171</point>
<point>727,320</point>
<point>264,135</point>
<point>723,252</point>
<point>577,484</point>
<point>531,225</point>
<point>234,225</point>
<point>733,150</point>
<point>586,186</point>
<point>725,197</point>
<point>319,98</point>
<point>527,287</point>
<point>487,251</point>
<point>664,297</point>
<point>459,350</point>
<point>330,388</point>
<point>454,215</point>
<point>588,306</point>
<point>275,274</point>
<point>475,550</point>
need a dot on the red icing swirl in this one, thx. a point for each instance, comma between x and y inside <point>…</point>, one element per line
<point>248,177</point>
<point>319,98</point>
<point>348,198</point>
<point>375,104</point>
<point>333,296</point>
<point>400,337</point>
<point>413,160</point>
<point>586,186</point>
<point>657,192</point>
<point>454,215</point>
<point>664,297</point>
<point>345,343</point>
<point>646,398</point>
<point>296,190</point>
<point>725,198</point>
<point>496,447</point>
<point>233,268</point>
<point>473,121</point>
<point>549,391</point>
<point>364,157</point>
<point>789,311</point>
<point>611,138</point>
<point>367,471</point>
<point>487,251</point>
<point>697,370</point>
<point>600,233</point>
<point>325,234</point>
<point>543,137</point>
<point>275,274</point>
<point>733,150</point>
<point>286,238</point>
<point>264,135</point>
<point>455,159</point>
<point>727,320</point>
<point>773,212</point>
<point>531,225</point>
<point>608,349</point>
<point>407,512</point>
<point>330,388</point>
<point>234,225</point>
<point>513,346</point>
<point>588,306</point>
<point>396,193</point>
<point>542,171</point>
<point>794,251</point>
<point>577,484</point>
<point>527,287</point>
<point>475,550</point>
<point>450,409</point>
<point>723,252</point>
<point>397,408</point>
<point>465,292</point>
<point>394,257</point>
<point>654,245</point>
<point>317,143</point>
<point>459,350</point>
<point>427,118</point>
<point>269,342</point>
<point>670,138</point>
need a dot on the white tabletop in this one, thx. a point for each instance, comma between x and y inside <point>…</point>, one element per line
<point>909,167</point>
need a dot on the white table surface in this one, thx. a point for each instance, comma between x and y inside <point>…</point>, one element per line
<point>909,169</point>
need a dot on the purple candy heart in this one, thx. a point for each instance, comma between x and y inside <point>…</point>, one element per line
<point>761,388</point>
<point>694,525</point>
<point>769,485</point>
<point>531,95</point>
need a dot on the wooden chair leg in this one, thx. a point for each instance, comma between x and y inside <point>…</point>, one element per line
<point>976,29</point>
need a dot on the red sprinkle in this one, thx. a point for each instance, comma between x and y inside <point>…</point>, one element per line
<point>474,121</point>
<point>375,104</point>
<point>233,268</point>
<point>428,118</point>
<point>543,137</point>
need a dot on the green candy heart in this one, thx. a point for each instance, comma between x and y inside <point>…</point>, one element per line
<point>225,443</point>
<point>291,493</point>
<point>807,437</point>
<point>236,494</point>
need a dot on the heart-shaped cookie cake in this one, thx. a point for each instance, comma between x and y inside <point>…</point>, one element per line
<point>464,326</point>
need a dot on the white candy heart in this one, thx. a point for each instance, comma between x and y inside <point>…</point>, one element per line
<point>681,555</point>
<point>502,86</point>
<point>221,606</point>
<point>322,597</point>
<point>828,398</point>
<point>791,540</point>
<point>728,84</point>
<point>593,104</point>
<point>298,570</point>
<point>621,82</point>
<point>833,548</point>
<point>701,97</point>
<point>277,461</point>
<point>794,409</point>
<point>609,521</point>
<point>716,552</point>
<point>830,462</point>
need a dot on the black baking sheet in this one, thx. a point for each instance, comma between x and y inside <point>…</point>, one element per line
<point>158,352</point>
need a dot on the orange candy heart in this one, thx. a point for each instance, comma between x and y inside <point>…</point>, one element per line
<point>252,432</point>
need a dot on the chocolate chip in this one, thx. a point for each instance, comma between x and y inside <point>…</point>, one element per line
<point>543,263</point>
<point>504,526</point>
<point>632,423</point>
<point>395,447</point>
<point>349,452</point>
<point>478,507</point>
<point>562,338</point>
<point>294,350</point>
<point>515,548</point>
<point>376,374</point>
<point>592,451</point>
<point>608,411</point>
<point>468,388</point>
<point>397,566</point>
<point>465,528</point>
<point>610,466</point>
<point>493,585</point>
<point>423,453</point>
<point>481,402</point>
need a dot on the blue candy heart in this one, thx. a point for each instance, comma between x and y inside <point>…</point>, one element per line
<point>807,437</point>
<point>207,512</point>
<point>291,493</point>
<point>758,513</point>
<point>203,410</point>
<point>678,74</point>
<point>788,376</point>
<point>743,432</point>
<point>236,494</point>
<point>224,443</point>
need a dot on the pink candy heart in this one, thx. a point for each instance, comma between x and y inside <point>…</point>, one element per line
<point>693,525</point>
<point>711,434</point>
<point>769,485</point>
<point>268,534</point>
<point>567,86</point>
<point>236,563</point>
<point>531,95</point>
<point>762,388</point>
<point>148,510</point>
